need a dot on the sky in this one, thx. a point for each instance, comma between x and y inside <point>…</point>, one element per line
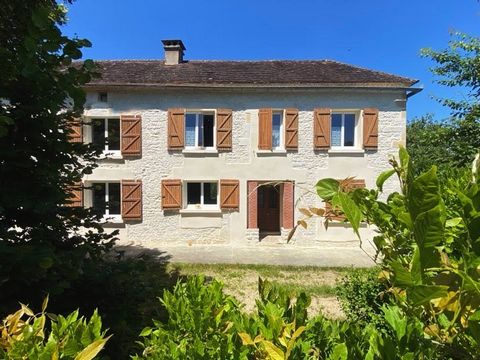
<point>384,35</point>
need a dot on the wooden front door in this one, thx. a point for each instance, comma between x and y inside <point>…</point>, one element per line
<point>269,208</point>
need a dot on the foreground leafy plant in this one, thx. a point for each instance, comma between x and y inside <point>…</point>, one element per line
<point>25,335</point>
<point>431,252</point>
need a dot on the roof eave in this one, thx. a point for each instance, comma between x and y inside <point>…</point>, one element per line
<point>399,85</point>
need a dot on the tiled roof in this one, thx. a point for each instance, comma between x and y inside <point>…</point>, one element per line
<point>242,73</point>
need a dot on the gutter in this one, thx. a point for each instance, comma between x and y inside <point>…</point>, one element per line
<point>409,90</point>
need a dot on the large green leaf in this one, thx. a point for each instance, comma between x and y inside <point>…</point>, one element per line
<point>421,294</point>
<point>384,176</point>
<point>429,227</point>
<point>396,320</point>
<point>350,209</point>
<point>340,352</point>
<point>401,276</point>
<point>327,188</point>
<point>424,193</point>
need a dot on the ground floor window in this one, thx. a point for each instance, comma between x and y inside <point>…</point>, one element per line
<point>201,195</point>
<point>106,198</point>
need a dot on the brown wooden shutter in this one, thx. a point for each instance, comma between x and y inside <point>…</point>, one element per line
<point>75,128</point>
<point>224,129</point>
<point>291,129</point>
<point>172,194</point>
<point>265,129</point>
<point>370,128</point>
<point>229,194</point>
<point>321,129</point>
<point>132,200</point>
<point>353,184</point>
<point>176,129</point>
<point>131,128</point>
<point>75,195</point>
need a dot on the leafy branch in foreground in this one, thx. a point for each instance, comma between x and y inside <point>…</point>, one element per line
<point>429,242</point>
<point>25,335</point>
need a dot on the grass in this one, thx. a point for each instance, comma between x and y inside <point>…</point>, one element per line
<point>241,280</point>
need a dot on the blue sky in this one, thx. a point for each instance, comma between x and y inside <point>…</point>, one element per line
<point>384,35</point>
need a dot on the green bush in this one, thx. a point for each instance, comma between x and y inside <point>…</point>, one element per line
<point>25,335</point>
<point>200,325</point>
<point>362,295</point>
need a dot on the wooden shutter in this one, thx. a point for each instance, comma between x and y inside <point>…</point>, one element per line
<point>75,128</point>
<point>370,128</point>
<point>224,129</point>
<point>132,200</point>
<point>321,129</point>
<point>75,195</point>
<point>229,194</point>
<point>291,129</point>
<point>171,194</point>
<point>353,184</point>
<point>265,129</point>
<point>131,129</point>
<point>176,129</point>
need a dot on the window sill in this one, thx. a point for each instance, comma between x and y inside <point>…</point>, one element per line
<point>112,219</point>
<point>271,152</point>
<point>346,151</point>
<point>111,155</point>
<point>200,151</point>
<point>200,211</point>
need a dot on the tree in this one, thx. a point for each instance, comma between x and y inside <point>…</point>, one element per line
<point>43,242</point>
<point>453,143</point>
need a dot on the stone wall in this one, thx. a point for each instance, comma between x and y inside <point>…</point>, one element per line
<point>305,166</point>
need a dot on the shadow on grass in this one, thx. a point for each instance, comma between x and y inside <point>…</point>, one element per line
<point>125,288</point>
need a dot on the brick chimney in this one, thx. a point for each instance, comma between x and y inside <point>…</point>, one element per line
<point>173,51</point>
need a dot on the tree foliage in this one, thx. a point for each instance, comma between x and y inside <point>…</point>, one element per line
<point>41,242</point>
<point>450,144</point>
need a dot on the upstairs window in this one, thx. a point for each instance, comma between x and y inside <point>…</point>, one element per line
<point>201,195</point>
<point>106,134</point>
<point>277,122</point>
<point>271,129</point>
<point>199,130</point>
<point>343,130</point>
<point>106,199</point>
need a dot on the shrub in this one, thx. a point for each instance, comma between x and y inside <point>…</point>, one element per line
<point>362,295</point>
<point>200,325</point>
<point>25,335</point>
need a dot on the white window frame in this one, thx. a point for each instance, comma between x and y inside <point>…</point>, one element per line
<point>197,121</point>
<point>106,151</point>
<point>282,126</point>
<point>107,217</point>
<point>200,206</point>
<point>356,128</point>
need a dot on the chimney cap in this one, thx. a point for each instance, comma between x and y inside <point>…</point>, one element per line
<point>173,44</point>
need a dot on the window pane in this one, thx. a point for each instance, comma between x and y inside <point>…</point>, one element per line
<point>349,135</point>
<point>210,193</point>
<point>276,123</point>
<point>114,198</point>
<point>190,123</point>
<point>98,133</point>
<point>336,130</point>
<point>113,134</point>
<point>207,130</point>
<point>98,198</point>
<point>193,193</point>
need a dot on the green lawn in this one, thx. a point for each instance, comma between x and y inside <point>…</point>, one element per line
<point>241,281</point>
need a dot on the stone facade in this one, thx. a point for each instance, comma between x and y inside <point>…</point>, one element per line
<point>304,167</point>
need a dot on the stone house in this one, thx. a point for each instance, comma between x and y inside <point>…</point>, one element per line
<point>203,152</point>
